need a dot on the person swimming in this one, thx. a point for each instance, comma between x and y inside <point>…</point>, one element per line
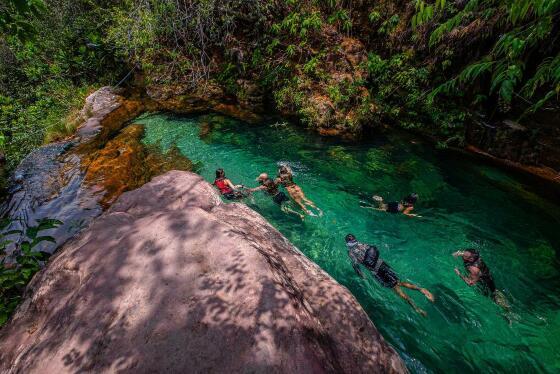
<point>368,256</point>
<point>285,178</point>
<point>479,275</point>
<point>226,187</point>
<point>270,187</point>
<point>478,272</point>
<point>405,206</point>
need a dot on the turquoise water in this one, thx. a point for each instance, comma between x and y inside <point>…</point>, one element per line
<point>462,203</point>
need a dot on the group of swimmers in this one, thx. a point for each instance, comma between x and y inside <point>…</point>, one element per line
<point>270,186</point>
<point>477,273</point>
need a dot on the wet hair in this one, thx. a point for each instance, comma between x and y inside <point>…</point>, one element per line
<point>220,173</point>
<point>285,173</point>
<point>284,169</point>
<point>411,199</point>
<point>474,253</point>
<point>350,238</point>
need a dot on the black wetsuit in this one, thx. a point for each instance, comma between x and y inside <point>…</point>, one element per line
<point>486,282</point>
<point>272,189</point>
<point>393,207</point>
<point>368,256</point>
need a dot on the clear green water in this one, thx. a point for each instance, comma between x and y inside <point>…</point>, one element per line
<point>462,203</point>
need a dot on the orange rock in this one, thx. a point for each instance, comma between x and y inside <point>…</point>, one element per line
<point>125,164</point>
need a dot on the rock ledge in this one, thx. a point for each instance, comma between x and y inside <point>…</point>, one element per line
<point>170,279</point>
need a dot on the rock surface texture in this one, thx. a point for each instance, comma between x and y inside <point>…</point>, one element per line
<point>170,279</point>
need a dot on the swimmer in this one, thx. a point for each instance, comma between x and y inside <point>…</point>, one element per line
<point>226,187</point>
<point>368,255</point>
<point>405,206</point>
<point>271,188</point>
<point>285,178</point>
<point>478,274</point>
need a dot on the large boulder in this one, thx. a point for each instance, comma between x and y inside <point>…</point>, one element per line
<point>170,279</point>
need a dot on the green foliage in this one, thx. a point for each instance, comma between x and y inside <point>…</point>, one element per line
<point>311,67</point>
<point>172,42</point>
<point>15,276</point>
<point>548,72</point>
<point>472,53</point>
<point>470,73</point>
<point>374,16</point>
<point>399,88</point>
<point>227,77</point>
<point>15,17</point>
<point>389,25</point>
<point>425,11</point>
<point>509,63</point>
<point>299,24</point>
<point>341,18</point>
<point>45,75</point>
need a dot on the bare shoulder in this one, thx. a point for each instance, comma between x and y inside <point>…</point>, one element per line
<point>473,270</point>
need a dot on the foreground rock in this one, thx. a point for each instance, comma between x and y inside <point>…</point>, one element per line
<point>170,279</point>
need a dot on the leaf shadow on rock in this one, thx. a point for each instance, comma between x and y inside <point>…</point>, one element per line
<point>172,280</point>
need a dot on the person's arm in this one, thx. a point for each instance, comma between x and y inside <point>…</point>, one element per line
<point>358,270</point>
<point>259,188</point>
<point>371,206</point>
<point>356,265</point>
<point>233,186</point>
<point>407,212</point>
<point>473,278</point>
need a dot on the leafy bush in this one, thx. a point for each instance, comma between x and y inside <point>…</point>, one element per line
<point>46,72</point>
<point>399,88</point>
<point>529,30</point>
<point>427,65</point>
<point>15,276</point>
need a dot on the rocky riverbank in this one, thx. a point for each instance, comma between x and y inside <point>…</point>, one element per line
<point>172,279</point>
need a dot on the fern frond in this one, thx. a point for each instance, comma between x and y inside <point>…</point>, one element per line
<point>437,35</point>
<point>547,72</point>
<point>473,71</point>
<point>447,87</point>
<point>506,77</point>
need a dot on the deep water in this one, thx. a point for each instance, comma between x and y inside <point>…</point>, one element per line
<point>463,204</point>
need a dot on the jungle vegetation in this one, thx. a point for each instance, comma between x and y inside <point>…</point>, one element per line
<point>426,65</point>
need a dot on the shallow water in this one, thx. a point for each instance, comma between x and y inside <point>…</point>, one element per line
<point>462,203</point>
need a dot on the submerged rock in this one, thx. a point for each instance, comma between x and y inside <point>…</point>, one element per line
<point>171,279</point>
<point>125,163</point>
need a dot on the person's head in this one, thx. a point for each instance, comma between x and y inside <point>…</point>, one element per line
<point>284,169</point>
<point>262,177</point>
<point>410,199</point>
<point>470,255</point>
<point>220,173</point>
<point>350,240</point>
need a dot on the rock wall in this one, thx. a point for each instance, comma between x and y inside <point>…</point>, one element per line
<point>170,279</point>
<point>535,149</point>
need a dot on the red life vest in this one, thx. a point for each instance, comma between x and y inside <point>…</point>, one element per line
<point>222,186</point>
